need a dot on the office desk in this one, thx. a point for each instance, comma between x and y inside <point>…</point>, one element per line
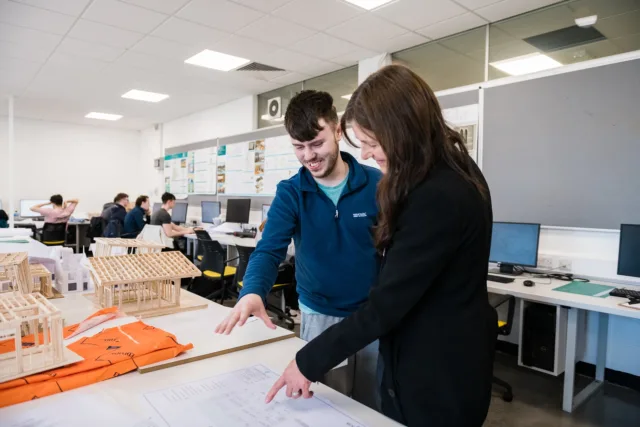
<point>224,239</point>
<point>34,248</point>
<point>40,224</point>
<point>543,293</point>
<point>127,390</point>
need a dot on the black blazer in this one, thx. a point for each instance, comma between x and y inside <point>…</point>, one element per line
<point>429,309</point>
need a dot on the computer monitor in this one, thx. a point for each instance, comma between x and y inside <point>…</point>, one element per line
<point>210,211</point>
<point>265,211</point>
<point>238,210</point>
<point>156,207</point>
<point>25,208</point>
<point>179,213</point>
<point>514,244</point>
<point>629,253</point>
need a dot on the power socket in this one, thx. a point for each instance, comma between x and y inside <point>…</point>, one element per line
<point>545,262</point>
<point>564,265</point>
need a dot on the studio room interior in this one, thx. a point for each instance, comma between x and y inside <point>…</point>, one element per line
<point>356,213</point>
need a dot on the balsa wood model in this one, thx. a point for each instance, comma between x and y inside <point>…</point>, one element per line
<point>111,246</point>
<point>14,267</point>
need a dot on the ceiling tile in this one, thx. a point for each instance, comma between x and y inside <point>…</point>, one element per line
<point>63,63</point>
<point>189,33</point>
<point>219,14</point>
<point>414,14</point>
<point>324,46</point>
<point>324,14</point>
<point>123,15</point>
<point>508,8</point>
<point>14,50</point>
<point>367,31</point>
<point>353,57</point>
<point>291,61</point>
<point>165,48</point>
<point>33,17</point>
<point>290,78</point>
<point>244,48</point>
<point>105,34</point>
<point>475,4</point>
<point>266,6</point>
<point>402,42</point>
<point>89,50</point>
<point>165,6</point>
<point>277,31</point>
<point>452,26</point>
<point>149,62</point>
<point>68,7</point>
<point>27,38</point>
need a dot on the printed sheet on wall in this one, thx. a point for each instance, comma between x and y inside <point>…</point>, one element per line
<point>465,120</point>
<point>240,168</point>
<point>280,162</point>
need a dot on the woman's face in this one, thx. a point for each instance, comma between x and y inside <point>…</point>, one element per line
<point>371,148</point>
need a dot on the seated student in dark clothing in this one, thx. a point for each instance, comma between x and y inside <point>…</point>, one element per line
<point>134,221</point>
<point>4,219</point>
<point>114,216</point>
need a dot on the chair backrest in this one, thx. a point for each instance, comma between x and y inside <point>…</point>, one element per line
<point>54,234</point>
<point>244,253</point>
<point>202,235</point>
<point>213,256</point>
<point>155,233</point>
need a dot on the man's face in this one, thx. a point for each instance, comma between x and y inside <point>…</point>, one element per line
<point>320,155</point>
<point>171,204</point>
<point>124,202</point>
<point>145,205</point>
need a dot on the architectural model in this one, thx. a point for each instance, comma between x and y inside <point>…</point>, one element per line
<point>30,315</point>
<point>41,280</point>
<point>141,283</point>
<point>14,267</point>
<point>107,247</point>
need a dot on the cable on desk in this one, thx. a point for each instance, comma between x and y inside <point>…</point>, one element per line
<point>566,277</point>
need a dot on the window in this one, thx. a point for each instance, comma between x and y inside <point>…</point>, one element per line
<point>285,94</point>
<point>340,84</point>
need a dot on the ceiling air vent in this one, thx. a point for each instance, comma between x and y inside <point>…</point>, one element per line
<point>565,38</point>
<point>255,66</point>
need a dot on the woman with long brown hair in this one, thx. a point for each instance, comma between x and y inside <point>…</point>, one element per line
<point>430,308</point>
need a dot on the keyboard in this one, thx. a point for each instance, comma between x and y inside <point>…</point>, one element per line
<point>499,279</point>
<point>625,293</point>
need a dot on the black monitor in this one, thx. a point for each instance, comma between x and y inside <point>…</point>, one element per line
<point>156,207</point>
<point>179,213</point>
<point>238,210</point>
<point>629,253</point>
<point>514,244</point>
<point>210,210</point>
<point>265,211</point>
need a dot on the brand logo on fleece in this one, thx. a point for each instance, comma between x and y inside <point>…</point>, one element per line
<point>360,215</point>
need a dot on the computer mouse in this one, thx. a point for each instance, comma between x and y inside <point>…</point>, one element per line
<point>528,283</point>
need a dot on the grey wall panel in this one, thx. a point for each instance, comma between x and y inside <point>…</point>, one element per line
<point>458,99</point>
<point>564,150</point>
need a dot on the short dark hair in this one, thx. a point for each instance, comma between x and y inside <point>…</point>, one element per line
<point>141,199</point>
<point>119,197</point>
<point>304,111</point>
<point>3,216</point>
<point>167,197</point>
<point>56,199</point>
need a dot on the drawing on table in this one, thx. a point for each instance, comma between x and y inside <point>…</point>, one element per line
<point>237,399</point>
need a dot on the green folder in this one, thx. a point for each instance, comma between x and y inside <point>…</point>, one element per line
<point>586,288</point>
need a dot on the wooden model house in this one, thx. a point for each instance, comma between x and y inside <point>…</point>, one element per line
<point>116,246</point>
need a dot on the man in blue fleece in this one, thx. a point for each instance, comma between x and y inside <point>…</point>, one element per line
<point>328,208</point>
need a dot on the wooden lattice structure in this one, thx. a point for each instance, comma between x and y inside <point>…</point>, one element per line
<point>141,283</point>
<point>32,316</point>
<point>41,280</point>
<point>106,246</point>
<point>14,267</point>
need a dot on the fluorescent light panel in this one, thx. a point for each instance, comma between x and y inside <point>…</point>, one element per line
<point>347,97</point>
<point>526,64</point>
<point>103,116</point>
<point>217,60</point>
<point>369,4</point>
<point>141,95</point>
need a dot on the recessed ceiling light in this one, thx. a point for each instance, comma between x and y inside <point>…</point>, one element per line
<point>142,95</point>
<point>103,116</point>
<point>216,60</point>
<point>586,21</point>
<point>271,119</point>
<point>526,64</point>
<point>347,97</point>
<point>369,4</point>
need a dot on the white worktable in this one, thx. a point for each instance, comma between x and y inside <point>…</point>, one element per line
<point>33,247</point>
<point>127,390</point>
<point>542,292</point>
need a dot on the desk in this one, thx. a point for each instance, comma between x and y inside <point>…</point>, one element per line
<point>544,293</point>
<point>39,224</point>
<point>127,390</point>
<point>224,239</point>
<point>35,248</point>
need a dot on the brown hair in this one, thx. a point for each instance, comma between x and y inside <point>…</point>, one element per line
<point>141,199</point>
<point>402,113</point>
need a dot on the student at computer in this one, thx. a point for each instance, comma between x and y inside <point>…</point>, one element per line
<point>162,217</point>
<point>59,212</point>
<point>430,306</point>
<point>4,219</point>
<point>328,208</point>
<point>134,221</point>
<point>114,216</point>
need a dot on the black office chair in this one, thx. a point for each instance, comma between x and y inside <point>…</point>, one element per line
<point>504,328</point>
<point>215,268</point>
<point>54,234</point>
<point>201,235</point>
<point>285,280</point>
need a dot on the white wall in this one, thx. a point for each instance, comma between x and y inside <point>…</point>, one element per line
<point>89,163</point>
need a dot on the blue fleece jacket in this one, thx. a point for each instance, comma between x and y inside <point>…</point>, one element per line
<point>336,262</point>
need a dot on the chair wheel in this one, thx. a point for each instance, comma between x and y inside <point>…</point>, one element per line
<point>507,396</point>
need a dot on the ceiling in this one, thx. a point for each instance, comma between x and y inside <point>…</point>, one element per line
<point>65,58</point>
